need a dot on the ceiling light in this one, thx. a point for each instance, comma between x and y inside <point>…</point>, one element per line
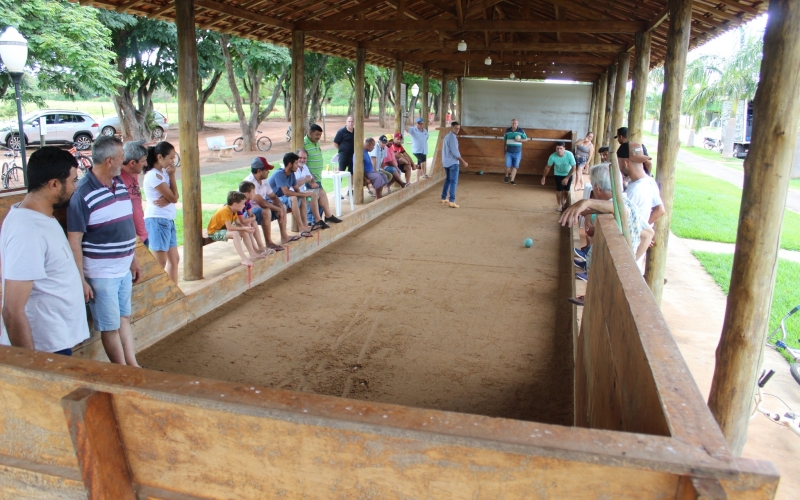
<point>462,46</point>
<point>488,61</point>
<point>512,76</point>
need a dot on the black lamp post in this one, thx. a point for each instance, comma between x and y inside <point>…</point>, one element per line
<point>14,53</point>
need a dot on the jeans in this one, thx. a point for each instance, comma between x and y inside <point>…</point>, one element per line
<point>512,159</point>
<point>450,182</point>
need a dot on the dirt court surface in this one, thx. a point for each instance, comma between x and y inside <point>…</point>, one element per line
<point>426,306</point>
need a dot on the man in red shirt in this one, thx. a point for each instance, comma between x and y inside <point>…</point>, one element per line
<point>404,161</point>
<point>132,165</point>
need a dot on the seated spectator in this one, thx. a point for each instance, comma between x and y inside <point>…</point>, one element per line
<point>43,306</point>
<point>386,162</point>
<point>319,206</point>
<point>135,160</point>
<point>404,161</point>
<point>224,225</point>
<point>282,182</point>
<point>246,217</point>
<point>265,200</point>
<point>377,180</point>
<point>640,231</point>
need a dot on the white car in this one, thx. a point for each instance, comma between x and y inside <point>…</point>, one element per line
<point>62,127</point>
<point>110,126</point>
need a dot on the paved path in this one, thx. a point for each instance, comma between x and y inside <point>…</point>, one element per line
<point>716,247</point>
<point>720,171</point>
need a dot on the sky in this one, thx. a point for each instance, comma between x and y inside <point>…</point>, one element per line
<point>725,45</point>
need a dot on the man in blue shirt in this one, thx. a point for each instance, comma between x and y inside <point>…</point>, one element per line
<point>377,180</point>
<point>295,200</point>
<point>451,158</point>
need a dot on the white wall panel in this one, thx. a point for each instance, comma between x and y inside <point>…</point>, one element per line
<point>493,103</point>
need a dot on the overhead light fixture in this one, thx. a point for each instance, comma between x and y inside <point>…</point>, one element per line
<point>414,90</point>
<point>512,76</point>
<point>462,46</point>
<point>488,61</point>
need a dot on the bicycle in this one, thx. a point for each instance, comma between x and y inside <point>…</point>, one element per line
<point>11,173</point>
<point>794,367</point>
<point>789,419</point>
<point>263,143</point>
<point>84,162</point>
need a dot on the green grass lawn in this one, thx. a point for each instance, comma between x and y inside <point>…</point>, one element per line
<point>785,296</point>
<point>179,223</point>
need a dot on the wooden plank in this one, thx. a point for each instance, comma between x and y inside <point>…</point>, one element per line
<point>100,451</point>
<point>358,139</point>
<point>242,14</point>
<point>398,81</point>
<point>24,484</point>
<point>503,25</point>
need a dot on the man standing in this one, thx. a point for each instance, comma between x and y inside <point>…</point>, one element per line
<point>311,145</point>
<point>134,161</point>
<point>103,239</point>
<point>319,198</point>
<point>419,146</point>
<point>451,158</point>
<point>268,207</point>
<point>622,139</point>
<point>512,142</point>
<point>563,164</point>
<point>43,307</point>
<point>344,143</point>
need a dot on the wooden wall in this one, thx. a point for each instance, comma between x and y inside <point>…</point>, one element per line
<point>482,147</point>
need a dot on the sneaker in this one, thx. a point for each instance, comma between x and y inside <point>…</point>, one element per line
<point>505,179</point>
<point>323,225</point>
<point>580,264</point>
<point>444,202</point>
<point>453,205</point>
<point>513,183</point>
<point>333,219</point>
<point>582,276</point>
<point>580,253</point>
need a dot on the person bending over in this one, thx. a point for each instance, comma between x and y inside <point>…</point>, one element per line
<point>247,218</point>
<point>224,226</point>
<point>267,207</point>
<point>563,164</point>
<point>377,180</point>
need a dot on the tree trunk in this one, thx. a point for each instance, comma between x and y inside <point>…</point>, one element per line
<point>350,106</point>
<point>730,130</point>
<point>254,120</point>
<point>313,95</point>
<point>276,91</point>
<point>382,98</point>
<point>202,97</point>
<point>248,134</point>
<point>654,125</point>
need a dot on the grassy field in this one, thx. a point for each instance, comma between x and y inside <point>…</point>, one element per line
<point>179,223</point>
<point>785,297</point>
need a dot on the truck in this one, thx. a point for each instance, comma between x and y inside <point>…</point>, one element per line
<point>744,126</point>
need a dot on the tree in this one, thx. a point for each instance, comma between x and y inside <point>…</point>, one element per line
<point>68,49</point>
<point>729,79</point>
<point>251,62</point>
<point>655,83</point>
<point>146,54</point>
<point>210,67</point>
<point>384,82</point>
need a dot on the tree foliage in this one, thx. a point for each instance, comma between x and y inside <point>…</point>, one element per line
<point>68,49</point>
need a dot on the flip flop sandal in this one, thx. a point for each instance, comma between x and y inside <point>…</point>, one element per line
<point>306,234</point>
<point>578,301</point>
<point>277,248</point>
<point>294,238</point>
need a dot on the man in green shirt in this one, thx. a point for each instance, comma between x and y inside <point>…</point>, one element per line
<point>563,163</point>
<point>512,144</point>
<point>311,145</point>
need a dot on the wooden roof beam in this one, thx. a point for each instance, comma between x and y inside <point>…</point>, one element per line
<point>735,4</point>
<point>548,58</point>
<point>497,25</point>
<point>614,48</point>
<point>243,14</point>
<point>716,12</point>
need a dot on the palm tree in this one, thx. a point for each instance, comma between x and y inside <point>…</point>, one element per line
<point>729,79</point>
<point>653,105</point>
<point>698,74</point>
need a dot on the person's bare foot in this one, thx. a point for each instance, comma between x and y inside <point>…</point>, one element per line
<point>247,262</point>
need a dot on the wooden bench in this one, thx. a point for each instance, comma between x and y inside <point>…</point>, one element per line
<point>217,145</point>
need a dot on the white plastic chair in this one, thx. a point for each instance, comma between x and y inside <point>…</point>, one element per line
<point>337,177</point>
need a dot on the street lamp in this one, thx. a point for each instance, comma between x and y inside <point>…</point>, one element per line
<point>14,53</point>
<point>414,93</point>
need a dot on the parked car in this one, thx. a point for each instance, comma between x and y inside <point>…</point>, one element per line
<point>110,126</point>
<point>62,127</point>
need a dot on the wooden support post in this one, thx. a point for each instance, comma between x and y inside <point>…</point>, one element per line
<point>98,445</point>
<point>187,135</point>
<point>767,171</point>
<point>298,90</point>
<point>600,116</point>
<point>459,96</point>
<point>641,70</point>
<point>398,109</point>
<point>443,105</point>
<point>680,15</point>
<point>618,114</point>
<point>611,82</point>
<point>358,139</point>
<point>592,111</point>
<point>423,93</point>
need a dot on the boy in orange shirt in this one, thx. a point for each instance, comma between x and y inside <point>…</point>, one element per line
<point>221,227</point>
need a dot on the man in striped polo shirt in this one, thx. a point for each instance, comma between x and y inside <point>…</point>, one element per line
<point>102,236</point>
<point>311,145</point>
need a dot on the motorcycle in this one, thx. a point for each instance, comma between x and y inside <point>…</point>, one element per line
<point>712,144</point>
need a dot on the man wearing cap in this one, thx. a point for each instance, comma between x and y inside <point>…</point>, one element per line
<point>622,139</point>
<point>419,146</point>
<point>404,161</point>
<point>344,143</point>
<point>512,145</point>
<point>265,199</point>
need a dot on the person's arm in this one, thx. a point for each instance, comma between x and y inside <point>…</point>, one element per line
<point>75,239</point>
<point>572,214</point>
<point>136,270</point>
<point>243,229</point>
<point>645,238</point>
<point>571,171</point>
<point>544,174</point>
<point>656,213</point>
<point>14,317</point>
<point>169,193</point>
<point>338,139</point>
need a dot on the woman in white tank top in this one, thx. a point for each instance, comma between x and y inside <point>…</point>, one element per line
<point>161,192</point>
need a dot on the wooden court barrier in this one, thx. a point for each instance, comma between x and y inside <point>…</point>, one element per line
<point>483,148</point>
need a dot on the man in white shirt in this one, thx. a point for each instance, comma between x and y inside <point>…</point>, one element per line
<point>43,306</point>
<point>268,207</point>
<point>419,146</point>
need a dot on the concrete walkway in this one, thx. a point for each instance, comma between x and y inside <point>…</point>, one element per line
<point>720,171</point>
<point>694,307</point>
<point>716,247</point>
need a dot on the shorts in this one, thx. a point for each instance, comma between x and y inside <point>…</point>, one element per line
<point>377,180</point>
<point>111,301</point>
<point>512,159</point>
<point>581,160</point>
<point>220,235</point>
<point>287,202</point>
<point>161,234</point>
<point>64,352</point>
<point>391,169</point>
<point>421,158</point>
<point>561,187</point>
<point>258,213</point>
